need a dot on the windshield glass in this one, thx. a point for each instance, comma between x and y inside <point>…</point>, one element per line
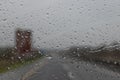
<point>59,40</point>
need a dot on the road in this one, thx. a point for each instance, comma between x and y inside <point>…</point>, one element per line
<point>51,71</point>
<point>59,68</point>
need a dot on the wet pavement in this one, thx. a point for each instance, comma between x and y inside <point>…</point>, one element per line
<point>64,69</point>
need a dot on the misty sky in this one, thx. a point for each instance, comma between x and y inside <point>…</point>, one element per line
<point>61,23</point>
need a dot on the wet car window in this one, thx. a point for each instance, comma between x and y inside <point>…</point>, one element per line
<point>59,40</point>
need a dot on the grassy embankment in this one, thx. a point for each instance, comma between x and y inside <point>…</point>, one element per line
<point>109,54</point>
<point>9,60</point>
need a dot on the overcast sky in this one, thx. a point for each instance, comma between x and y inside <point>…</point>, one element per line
<point>61,23</point>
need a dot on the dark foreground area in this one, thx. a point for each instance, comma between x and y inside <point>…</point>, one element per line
<point>59,67</point>
<point>74,63</point>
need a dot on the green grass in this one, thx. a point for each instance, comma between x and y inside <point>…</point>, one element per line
<point>6,65</point>
<point>9,61</point>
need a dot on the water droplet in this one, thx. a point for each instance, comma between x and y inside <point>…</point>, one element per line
<point>70,74</point>
<point>47,13</point>
<point>4,19</point>
<point>49,57</point>
<point>70,8</point>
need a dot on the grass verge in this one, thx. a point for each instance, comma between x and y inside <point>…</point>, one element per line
<point>7,65</point>
<point>104,54</point>
<point>9,61</point>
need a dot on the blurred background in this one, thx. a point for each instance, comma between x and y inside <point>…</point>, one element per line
<point>61,23</point>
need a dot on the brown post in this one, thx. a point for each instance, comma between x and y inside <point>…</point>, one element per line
<point>23,41</point>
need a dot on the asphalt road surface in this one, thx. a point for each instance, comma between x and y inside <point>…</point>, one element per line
<point>59,68</point>
<point>51,71</point>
